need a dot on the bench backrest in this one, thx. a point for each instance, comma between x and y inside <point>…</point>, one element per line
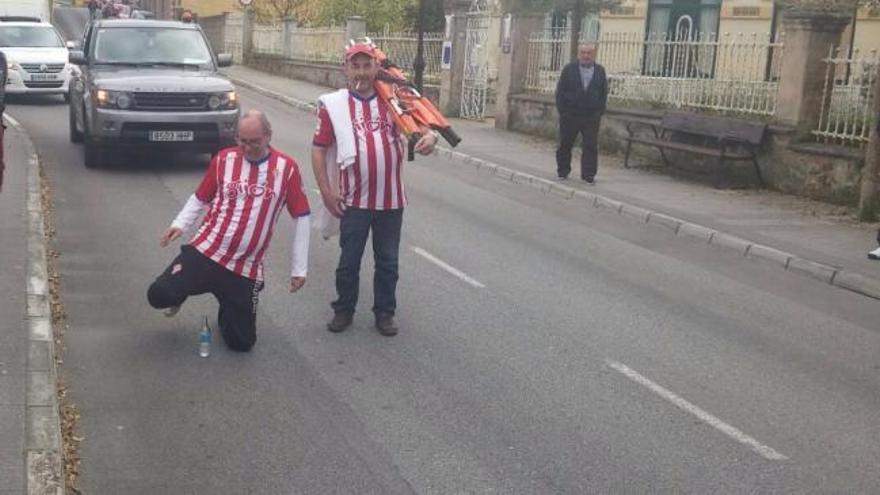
<point>717,127</point>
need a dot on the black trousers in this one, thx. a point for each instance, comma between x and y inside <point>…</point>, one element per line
<point>569,128</point>
<point>354,228</point>
<point>192,273</point>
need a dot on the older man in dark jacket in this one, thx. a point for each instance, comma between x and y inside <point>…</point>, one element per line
<point>581,98</point>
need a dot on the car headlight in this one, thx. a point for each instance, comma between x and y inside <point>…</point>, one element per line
<point>11,64</point>
<point>112,99</point>
<point>225,100</point>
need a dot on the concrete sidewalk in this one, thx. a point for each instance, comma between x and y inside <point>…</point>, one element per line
<point>30,438</point>
<point>819,239</point>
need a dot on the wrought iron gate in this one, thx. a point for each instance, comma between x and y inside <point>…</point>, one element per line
<point>475,87</point>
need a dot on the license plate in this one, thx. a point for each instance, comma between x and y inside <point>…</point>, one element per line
<point>44,77</point>
<point>171,136</point>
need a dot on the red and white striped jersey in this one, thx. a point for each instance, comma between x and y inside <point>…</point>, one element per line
<point>245,201</point>
<point>374,181</point>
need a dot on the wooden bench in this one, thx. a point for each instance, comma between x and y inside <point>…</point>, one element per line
<point>718,137</point>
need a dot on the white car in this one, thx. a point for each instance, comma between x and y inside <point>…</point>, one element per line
<point>37,58</point>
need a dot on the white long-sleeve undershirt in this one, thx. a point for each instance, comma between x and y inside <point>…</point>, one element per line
<point>299,246</point>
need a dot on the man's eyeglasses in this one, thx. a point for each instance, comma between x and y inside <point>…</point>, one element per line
<point>250,142</point>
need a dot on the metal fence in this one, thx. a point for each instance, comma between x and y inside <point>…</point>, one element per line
<point>847,99</point>
<point>401,49</point>
<point>731,73</point>
<point>268,39</point>
<point>233,35</point>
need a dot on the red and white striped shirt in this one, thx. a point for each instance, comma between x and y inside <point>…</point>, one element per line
<point>246,199</point>
<point>374,181</point>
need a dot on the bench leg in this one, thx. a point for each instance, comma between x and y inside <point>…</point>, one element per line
<point>629,144</point>
<point>758,170</point>
<point>663,154</point>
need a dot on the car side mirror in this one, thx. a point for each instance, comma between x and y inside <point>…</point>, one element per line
<point>77,57</point>
<point>224,59</point>
<point>70,45</point>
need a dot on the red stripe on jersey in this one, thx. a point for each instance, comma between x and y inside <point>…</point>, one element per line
<point>266,203</point>
<point>389,161</point>
<point>371,153</point>
<point>226,211</point>
<point>241,226</point>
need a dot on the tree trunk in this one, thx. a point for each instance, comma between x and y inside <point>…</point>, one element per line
<point>868,201</point>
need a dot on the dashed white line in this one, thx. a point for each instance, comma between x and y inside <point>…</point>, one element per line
<point>730,431</point>
<point>449,268</point>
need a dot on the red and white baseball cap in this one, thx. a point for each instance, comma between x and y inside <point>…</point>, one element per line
<point>360,47</point>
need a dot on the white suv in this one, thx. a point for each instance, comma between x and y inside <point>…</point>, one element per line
<point>36,57</point>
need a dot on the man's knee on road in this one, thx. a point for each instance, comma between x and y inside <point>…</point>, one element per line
<point>239,341</point>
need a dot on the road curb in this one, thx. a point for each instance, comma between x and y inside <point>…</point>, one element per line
<point>43,457</point>
<point>815,270</point>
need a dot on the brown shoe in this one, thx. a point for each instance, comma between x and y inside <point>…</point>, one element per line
<point>340,322</point>
<point>385,324</point>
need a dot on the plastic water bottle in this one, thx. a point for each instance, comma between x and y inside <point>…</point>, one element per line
<point>205,340</point>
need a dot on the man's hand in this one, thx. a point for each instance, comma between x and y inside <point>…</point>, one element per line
<point>171,234</point>
<point>296,283</point>
<point>425,145</point>
<point>334,202</point>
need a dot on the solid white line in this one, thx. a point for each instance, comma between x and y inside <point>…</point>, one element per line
<point>458,273</point>
<point>704,416</point>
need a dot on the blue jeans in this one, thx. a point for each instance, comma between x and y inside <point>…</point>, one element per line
<point>353,231</point>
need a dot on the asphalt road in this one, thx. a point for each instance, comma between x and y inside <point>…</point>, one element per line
<point>543,349</point>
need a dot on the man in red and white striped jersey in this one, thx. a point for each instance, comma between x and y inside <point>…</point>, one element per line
<point>371,194</point>
<point>245,189</point>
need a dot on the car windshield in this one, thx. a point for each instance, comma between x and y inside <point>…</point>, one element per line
<point>30,36</point>
<point>151,46</point>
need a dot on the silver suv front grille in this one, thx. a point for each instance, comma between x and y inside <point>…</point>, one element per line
<point>170,101</point>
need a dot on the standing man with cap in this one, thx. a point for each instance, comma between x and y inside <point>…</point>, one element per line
<point>356,132</point>
<point>581,98</point>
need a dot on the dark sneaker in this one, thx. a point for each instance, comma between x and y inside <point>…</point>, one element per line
<point>385,325</point>
<point>340,322</point>
<point>171,312</point>
<point>875,254</point>
<point>589,180</point>
<point>561,177</point>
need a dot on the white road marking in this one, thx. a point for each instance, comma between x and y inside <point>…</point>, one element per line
<point>458,273</point>
<point>704,416</point>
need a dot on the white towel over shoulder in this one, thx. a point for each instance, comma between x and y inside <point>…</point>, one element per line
<point>339,156</point>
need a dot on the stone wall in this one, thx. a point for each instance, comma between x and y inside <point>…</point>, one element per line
<point>321,74</point>
<point>816,171</point>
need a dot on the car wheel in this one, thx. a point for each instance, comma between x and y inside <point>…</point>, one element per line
<point>75,135</point>
<point>94,155</point>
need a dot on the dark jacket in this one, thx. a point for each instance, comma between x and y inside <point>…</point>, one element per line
<point>570,96</point>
